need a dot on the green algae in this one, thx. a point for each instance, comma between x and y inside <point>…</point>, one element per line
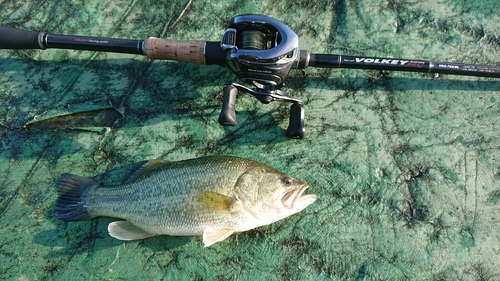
<point>399,160</point>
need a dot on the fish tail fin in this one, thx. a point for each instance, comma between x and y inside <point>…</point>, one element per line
<point>73,203</point>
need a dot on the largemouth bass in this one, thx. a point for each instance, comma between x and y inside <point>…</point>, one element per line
<point>211,196</point>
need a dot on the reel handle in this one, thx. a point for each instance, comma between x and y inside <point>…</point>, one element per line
<point>227,116</point>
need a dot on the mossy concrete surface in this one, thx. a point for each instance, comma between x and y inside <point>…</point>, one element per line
<point>405,165</point>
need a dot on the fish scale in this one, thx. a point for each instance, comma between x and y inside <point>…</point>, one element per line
<point>172,190</point>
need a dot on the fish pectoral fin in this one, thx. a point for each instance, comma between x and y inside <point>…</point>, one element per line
<point>215,201</point>
<point>125,230</point>
<point>212,236</point>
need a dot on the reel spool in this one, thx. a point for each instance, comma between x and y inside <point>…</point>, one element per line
<point>261,51</point>
<point>252,39</point>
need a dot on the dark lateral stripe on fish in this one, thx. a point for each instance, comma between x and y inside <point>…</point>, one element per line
<point>73,203</point>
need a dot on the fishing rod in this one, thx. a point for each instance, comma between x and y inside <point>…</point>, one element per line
<point>259,50</point>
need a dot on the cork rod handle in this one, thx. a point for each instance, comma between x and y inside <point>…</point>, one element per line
<point>178,50</point>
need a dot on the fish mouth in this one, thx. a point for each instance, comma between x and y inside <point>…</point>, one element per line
<point>292,197</point>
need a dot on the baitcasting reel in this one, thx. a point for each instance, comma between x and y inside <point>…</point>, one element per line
<point>261,51</point>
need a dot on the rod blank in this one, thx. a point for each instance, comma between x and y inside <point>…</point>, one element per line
<point>338,61</point>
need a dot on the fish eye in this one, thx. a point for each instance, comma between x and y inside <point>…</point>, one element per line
<point>286,181</point>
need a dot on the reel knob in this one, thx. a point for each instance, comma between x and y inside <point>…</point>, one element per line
<point>227,116</point>
<point>296,127</point>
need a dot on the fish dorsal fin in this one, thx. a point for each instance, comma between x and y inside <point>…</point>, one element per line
<point>146,168</point>
<point>215,201</point>
<point>125,230</point>
<point>212,236</point>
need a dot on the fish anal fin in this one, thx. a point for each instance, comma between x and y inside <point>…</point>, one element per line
<point>211,236</point>
<point>125,230</point>
<point>144,169</point>
<point>215,201</point>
